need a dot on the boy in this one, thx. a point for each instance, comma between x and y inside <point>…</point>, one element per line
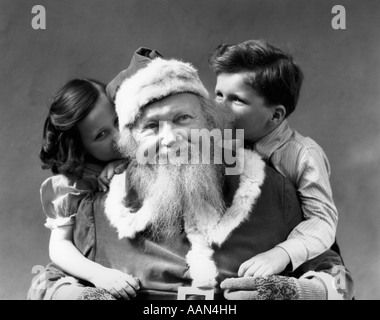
<point>261,84</point>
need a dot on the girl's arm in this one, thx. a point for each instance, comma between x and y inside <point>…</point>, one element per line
<point>68,257</point>
<point>112,168</point>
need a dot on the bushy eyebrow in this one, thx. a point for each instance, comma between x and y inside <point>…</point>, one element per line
<point>179,110</point>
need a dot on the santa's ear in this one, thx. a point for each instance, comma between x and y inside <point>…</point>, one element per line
<point>278,114</point>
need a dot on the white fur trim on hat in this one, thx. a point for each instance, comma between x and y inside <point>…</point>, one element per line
<point>159,79</point>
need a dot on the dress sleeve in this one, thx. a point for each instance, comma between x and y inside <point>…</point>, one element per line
<point>60,198</point>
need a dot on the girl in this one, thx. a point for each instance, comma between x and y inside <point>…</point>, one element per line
<point>78,141</point>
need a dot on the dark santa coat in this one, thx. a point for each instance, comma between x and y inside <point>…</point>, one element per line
<point>161,266</point>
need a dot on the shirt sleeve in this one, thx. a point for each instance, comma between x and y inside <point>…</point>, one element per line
<point>317,232</point>
<point>60,198</point>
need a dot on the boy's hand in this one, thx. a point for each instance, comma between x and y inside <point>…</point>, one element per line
<point>271,262</point>
<point>119,284</point>
<point>112,168</point>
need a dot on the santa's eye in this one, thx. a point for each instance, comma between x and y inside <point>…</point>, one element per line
<point>183,118</point>
<point>151,125</point>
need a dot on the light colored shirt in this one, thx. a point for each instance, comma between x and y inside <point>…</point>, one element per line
<point>304,162</point>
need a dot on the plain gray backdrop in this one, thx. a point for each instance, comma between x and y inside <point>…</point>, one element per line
<point>338,107</point>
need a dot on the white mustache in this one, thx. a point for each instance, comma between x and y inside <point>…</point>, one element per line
<point>154,152</point>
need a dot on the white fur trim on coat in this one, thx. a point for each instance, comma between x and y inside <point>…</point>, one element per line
<point>128,224</point>
<point>244,199</point>
<point>202,267</point>
<point>216,229</point>
<point>159,79</point>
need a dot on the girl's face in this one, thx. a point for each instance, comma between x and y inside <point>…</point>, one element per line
<point>99,131</point>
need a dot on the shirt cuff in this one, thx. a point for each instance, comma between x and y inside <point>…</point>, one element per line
<point>296,250</point>
<point>59,222</point>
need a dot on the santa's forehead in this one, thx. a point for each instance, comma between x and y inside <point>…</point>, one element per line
<point>172,105</point>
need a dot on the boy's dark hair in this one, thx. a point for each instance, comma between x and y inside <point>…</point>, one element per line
<point>62,150</point>
<point>271,71</point>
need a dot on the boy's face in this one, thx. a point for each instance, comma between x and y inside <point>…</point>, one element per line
<point>251,112</point>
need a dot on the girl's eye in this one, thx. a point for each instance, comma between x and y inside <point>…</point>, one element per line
<point>100,135</point>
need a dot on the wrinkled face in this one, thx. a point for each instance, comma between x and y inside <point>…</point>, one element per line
<point>174,190</point>
<point>250,110</point>
<point>166,123</point>
<point>99,131</point>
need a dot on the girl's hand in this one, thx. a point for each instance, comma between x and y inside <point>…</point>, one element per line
<point>112,168</point>
<point>268,263</point>
<point>119,284</point>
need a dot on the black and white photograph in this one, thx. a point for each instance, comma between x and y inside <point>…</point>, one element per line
<point>220,150</point>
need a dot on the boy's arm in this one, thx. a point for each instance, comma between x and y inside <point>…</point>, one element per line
<point>317,232</point>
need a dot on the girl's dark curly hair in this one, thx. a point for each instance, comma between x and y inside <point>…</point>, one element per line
<point>62,149</point>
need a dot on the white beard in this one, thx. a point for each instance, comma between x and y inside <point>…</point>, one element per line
<point>176,192</point>
<point>176,197</point>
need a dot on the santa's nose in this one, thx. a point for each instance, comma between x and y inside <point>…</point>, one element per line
<point>168,135</point>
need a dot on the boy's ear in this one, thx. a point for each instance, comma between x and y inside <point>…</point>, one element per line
<point>279,113</point>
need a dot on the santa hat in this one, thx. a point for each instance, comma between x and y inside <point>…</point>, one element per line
<point>141,57</point>
<point>158,80</point>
